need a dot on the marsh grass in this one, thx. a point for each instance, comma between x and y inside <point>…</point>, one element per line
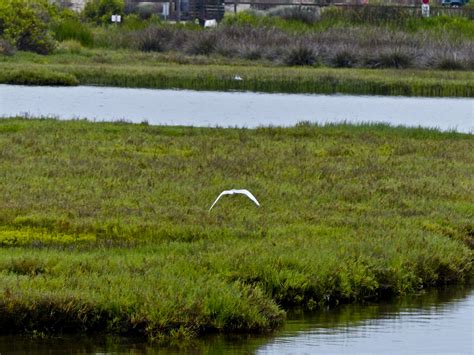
<point>36,76</point>
<point>239,41</point>
<point>349,213</point>
<point>105,69</point>
<point>73,29</point>
<point>147,55</point>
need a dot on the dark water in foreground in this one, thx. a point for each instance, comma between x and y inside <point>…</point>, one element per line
<point>241,109</point>
<point>436,322</point>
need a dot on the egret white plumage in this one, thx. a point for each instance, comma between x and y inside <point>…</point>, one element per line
<point>232,192</point>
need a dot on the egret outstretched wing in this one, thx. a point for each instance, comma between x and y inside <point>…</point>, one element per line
<point>248,194</point>
<point>232,192</point>
<point>226,192</point>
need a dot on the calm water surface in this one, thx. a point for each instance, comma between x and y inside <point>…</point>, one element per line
<point>243,109</point>
<point>437,322</point>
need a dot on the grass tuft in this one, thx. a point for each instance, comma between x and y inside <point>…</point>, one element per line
<point>37,76</point>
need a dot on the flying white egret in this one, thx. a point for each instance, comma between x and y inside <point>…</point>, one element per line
<point>232,192</point>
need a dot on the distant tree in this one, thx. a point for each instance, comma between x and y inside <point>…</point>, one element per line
<point>100,11</point>
<point>25,24</point>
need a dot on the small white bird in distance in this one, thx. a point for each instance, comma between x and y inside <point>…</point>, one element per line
<point>232,192</point>
<point>238,78</point>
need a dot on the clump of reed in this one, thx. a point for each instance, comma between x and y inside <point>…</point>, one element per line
<point>36,76</point>
<point>258,78</point>
<point>73,29</point>
<point>300,55</point>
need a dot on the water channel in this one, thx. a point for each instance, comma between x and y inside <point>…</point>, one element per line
<point>242,109</point>
<point>435,322</point>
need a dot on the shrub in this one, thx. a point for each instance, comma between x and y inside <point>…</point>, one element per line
<point>252,52</point>
<point>147,10</point>
<point>6,48</point>
<point>303,14</point>
<point>75,30</point>
<point>133,22</point>
<point>449,64</point>
<point>392,59</point>
<point>343,59</point>
<point>100,11</point>
<point>396,59</point>
<point>204,43</point>
<point>154,39</point>
<point>24,24</point>
<point>300,55</point>
<point>374,15</point>
<point>244,18</point>
<point>70,46</point>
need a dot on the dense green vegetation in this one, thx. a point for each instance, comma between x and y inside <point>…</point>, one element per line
<point>57,70</point>
<point>105,226</point>
<point>306,19</point>
<point>25,25</point>
<point>100,11</point>
<point>135,52</point>
<point>367,36</point>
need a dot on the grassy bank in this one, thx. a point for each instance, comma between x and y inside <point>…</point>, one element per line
<point>255,78</point>
<point>105,227</point>
<point>372,50</point>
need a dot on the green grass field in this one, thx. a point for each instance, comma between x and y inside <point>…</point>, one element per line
<point>104,227</point>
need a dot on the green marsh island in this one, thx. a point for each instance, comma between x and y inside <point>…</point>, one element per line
<point>105,226</point>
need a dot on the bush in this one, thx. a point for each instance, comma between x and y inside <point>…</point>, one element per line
<point>147,10</point>
<point>396,59</point>
<point>203,44</point>
<point>393,59</point>
<point>449,64</point>
<point>25,25</point>
<point>344,59</point>
<point>70,46</point>
<point>300,55</point>
<point>303,14</point>
<point>154,39</point>
<point>374,15</point>
<point>100,11</point>
<point>6,48</point>
<point>73,29</point>
<point>132,22</point>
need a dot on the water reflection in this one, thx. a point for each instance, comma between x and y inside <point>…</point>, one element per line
<point>439,321</point>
